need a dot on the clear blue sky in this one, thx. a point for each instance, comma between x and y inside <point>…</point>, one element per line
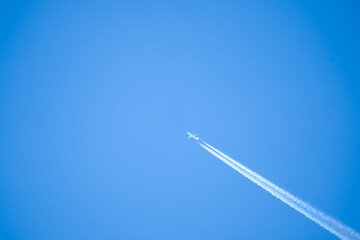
<point>96,98</point>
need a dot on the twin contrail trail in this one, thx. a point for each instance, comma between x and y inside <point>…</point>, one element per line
<point>332,225</point>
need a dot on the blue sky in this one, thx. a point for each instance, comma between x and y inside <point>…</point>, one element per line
<point>96,98</point>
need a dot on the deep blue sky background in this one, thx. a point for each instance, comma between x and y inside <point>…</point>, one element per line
<point>96,99</point>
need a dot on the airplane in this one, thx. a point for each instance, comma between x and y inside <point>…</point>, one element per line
<point>194,136</point>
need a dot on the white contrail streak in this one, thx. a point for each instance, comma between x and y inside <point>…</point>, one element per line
<point>332,225</point>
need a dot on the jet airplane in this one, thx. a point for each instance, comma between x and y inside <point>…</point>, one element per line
<point>194,136</point>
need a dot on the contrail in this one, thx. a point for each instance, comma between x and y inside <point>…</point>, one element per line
<point>332,225</point>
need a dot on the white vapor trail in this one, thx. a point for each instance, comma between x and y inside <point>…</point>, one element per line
<point>332,225</point>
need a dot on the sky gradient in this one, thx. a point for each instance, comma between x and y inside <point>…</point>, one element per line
<point>96,98</point>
